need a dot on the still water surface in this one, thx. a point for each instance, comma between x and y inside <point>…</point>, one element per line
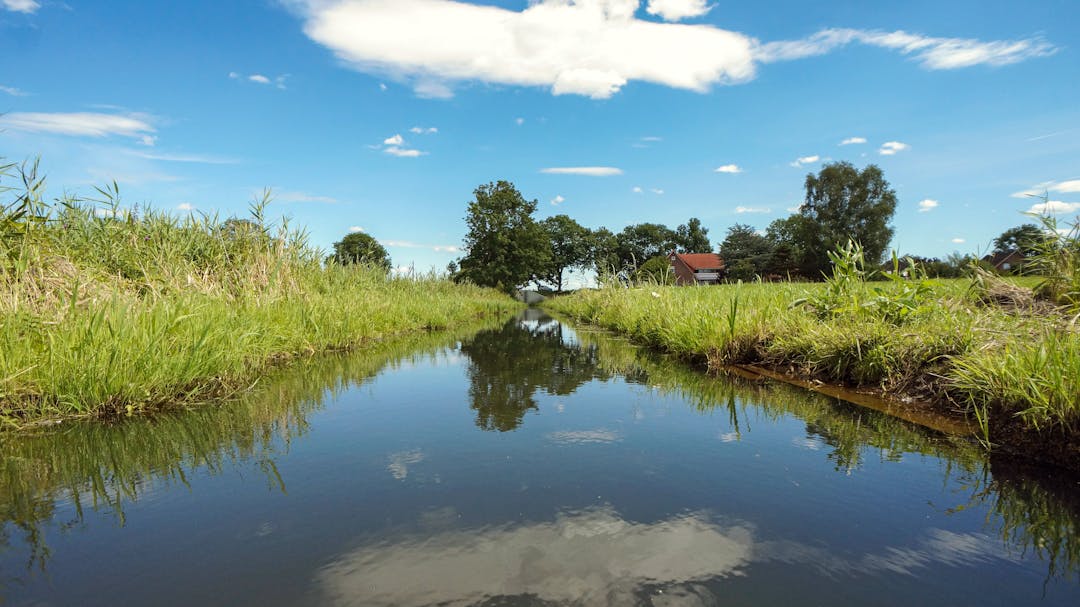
<point>526,464</point>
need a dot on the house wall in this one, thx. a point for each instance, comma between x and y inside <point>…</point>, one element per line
<point>683,274</point>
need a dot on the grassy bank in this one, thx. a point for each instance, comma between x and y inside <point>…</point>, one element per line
<point>106,309</point>
<point>1012,366</point>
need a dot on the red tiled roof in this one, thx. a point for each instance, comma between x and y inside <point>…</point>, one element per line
<point>702,261</point>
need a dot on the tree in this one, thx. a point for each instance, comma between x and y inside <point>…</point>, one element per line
<point>360,248</point>
<point>657,270</point>
<point>506,247</point>
<point>1026,239</point>
<point>692,238</point>
<point>604,251</point>
<point>746,253</point>
<point>845,203</point>
<point>571,247</point>
<point>639,243</point>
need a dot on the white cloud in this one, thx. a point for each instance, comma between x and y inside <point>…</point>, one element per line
<point>382,86</point>
<point>407,244</point>
<point>395,140</point>
<point>558,200</point>
<point>853,140</point>
<point>419,130</point>
<point>404,152</point>
<point>148,140</point>
<point>277,81</point>
<point>637,189</point>
<point>192,158</point>
<point>657,191</point>
<point>589,171</point>
<point>22,6</point>
<point>804,160</point>
<point>890,148</point>
<point>1054,207</point>
<point>355,229</point>
<point>652,138</point>
<point>519,121</point>
<point>185,206</point>
<point>932,53</point>
<point>677,10</point>
<point>741,210</point>
<point>1041,189</point>
<point>958,241</point>
<point>589,47</point>
<point>79,124</point>
<point>259,78</point>
<point>14,92</point>
<point>729,168</point>
<point>287,196</point>
<point>1066,186</point>
<point>927,205</point>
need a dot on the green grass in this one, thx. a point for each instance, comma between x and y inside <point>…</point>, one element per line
<point>942,344</point>
<point>106,309</point>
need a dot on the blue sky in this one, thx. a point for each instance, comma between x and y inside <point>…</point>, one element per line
<point>385,114</point>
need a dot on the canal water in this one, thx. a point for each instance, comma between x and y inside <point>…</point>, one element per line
<point>526,463</point>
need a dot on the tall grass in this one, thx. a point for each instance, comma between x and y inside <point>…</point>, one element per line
<point>931,339</point>
<point>109,309</point>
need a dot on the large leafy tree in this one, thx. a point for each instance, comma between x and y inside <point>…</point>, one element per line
<point>746,253</point>
<point>362,249</point>
<point>845,203</point>
<point>506,247</point>
<point>1026,239</point>
<point>639,243</point>
<point>604,254</point>
<point>692,238</point>
<point>571,247</point>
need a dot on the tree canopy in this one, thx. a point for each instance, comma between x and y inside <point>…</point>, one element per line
<point>1025,238</point>
<point>571,247</point>
<point>746,253</point>
<point>692,237</point>
<point>360,248</point>
<point>844,203</point>
<point>506,248</point>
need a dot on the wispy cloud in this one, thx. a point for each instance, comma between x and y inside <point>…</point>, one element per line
<point>22,6</point>
<point>657,191</point>
<point>185,206</point>
<point>853,141</point>
<point>14,92</point>
<point>519,121</point>
<point>890,148</point>
<point>927,205</point>
<point>637,189</point>
<point>301,197</point>
<point>355,229</point>
<point>742,210</point>
<point>589,171</point>
<point>558,200</point>
<point>931,52</point>
<point>1054,207</point>
<point>192,158</point>
<point>407,244</point>
<point>434,43</point>
<point>79,124</point>
<point>958,241</point>
<point>805,160</point>
<point>276,81</point>
<point>730,169</point>
<point>419,130</point>
<point>652,139</point>
<point>1040,189</point>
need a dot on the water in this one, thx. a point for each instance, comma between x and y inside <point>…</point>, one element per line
<point>526,464</point>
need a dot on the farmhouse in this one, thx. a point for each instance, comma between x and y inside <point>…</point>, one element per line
<point>697,268</point>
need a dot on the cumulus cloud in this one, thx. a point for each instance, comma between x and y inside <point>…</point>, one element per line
<point>729,168</point>
<point>741,210</point>
<point>419,130</point>
<point>637,189</point>
<point>355,229</point>
<point>890,148</point>
<point>590,47</point>
<point>395,140</point>
<point>677,10</point>
<point>930,52</point>
<point>657,191</point>
<point>259,78</point>
<point>1054,207</point>
<point>853,140</point>
<point>927,205</point>
<point>185,206</point>
<point>395,146</point>
<point>22,6</point>
<point>958,241</point>
<point>804,160</point>
<point>588,171</point>
<point>558,200</point>
<point>79,124</point>
<point>277,81</point>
